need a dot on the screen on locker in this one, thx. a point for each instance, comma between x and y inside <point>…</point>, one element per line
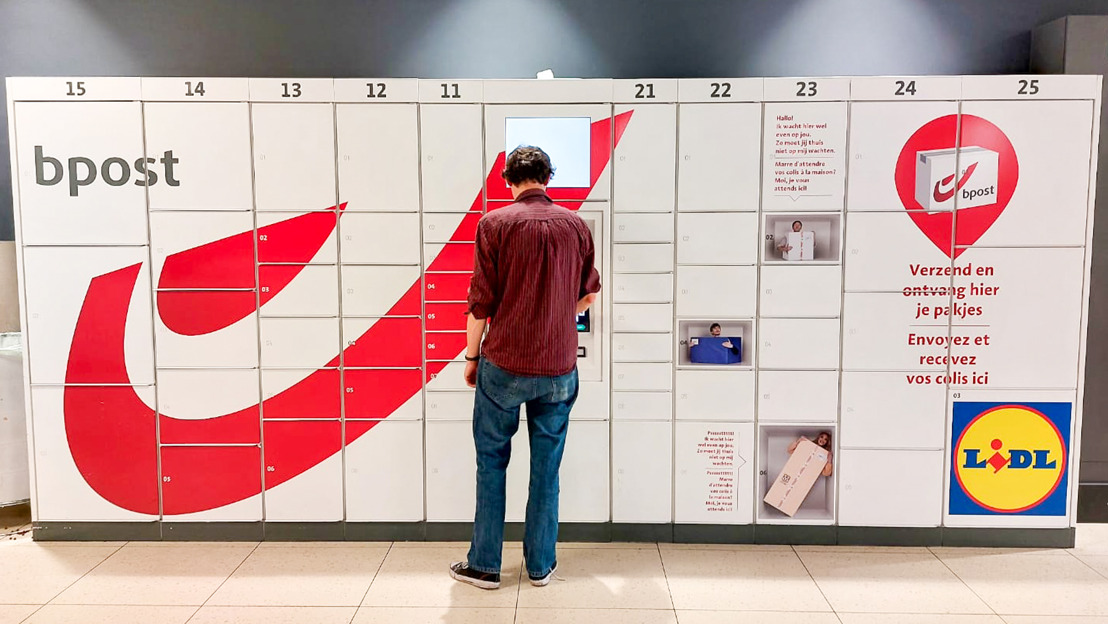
<point>567,140</point>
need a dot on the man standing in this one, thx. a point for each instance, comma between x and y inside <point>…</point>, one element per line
<point>533,273</point>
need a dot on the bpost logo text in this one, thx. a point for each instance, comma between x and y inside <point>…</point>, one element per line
<point>81,171</point>
<point>1009,458</point>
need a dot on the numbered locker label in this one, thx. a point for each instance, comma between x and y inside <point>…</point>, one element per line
<point>728,238</point>
<point>376,90</point>
<point>294,157</point>
<point>644,91</point>
<point>716,291</point>
<point>75,88</point>
<point>451,91</point>
<point>801,291</point>
<point>286,90</point>
<point>720,90</point>
<point>715,395</point>
<point>301,394</point>
<point>1030,87</point>
<point>73,296</point>
<point>378,164</point>
<point>644,159</point>
<point>714,473</point>
<point>906,88</point>
<point>719,143</point>
<point>195,89</point>
<point>642,477</point>
<point>806,89</point>
<point>315,494</point>
<point>83,174</point>
<point>384,472</point>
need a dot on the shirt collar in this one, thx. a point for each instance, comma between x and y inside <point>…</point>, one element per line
<point>533,193</point>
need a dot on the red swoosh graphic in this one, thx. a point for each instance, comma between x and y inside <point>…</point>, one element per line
<point>112,433</point>
<point>941,196</point>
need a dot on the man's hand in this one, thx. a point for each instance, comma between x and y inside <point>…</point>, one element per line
<point>471,374</point>
<point>727,344</point>
<point>586,301</point>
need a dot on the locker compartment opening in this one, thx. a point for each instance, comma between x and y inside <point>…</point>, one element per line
<point>700,345</point>
<point>567,140</point>
<point>773,443</point>
<point>787,237</point>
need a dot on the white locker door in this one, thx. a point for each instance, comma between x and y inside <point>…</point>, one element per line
<point>642,287</point>
<point>799,343</point>
<point>212,143</point>
<point>314,495</point>
<point>642,376</point>
<point>717,291</point>
<point>453,169</point>
<point>585,463</point>
<point>725,238</point>
<point>715,395</point>
<point>801,291</point>
<point>642,258</point>
<point>450,377</point>
<point>642,228</point>
<point>451,472</point>
<point>384,238</point>
<point>378,157</point>
<point>642,347</point>
<point>82,173</point>
<point>298,238</point>
<point>719,142</point>
<point>804,146</point>
<point>881,332</point>
<point>189,395</point>
<point>645,159</point>
<point>299,342</point>
<point>642,474</point>
<point>217,246</point>
<point>384,472</point>
<point>868,496</point>
<point>882,410</point>
<point>714,473</point>
<point>886,251</point>
<point>311,290</point>
<point>450,405</point>
<point>107,286</point>
<point>232,346</point>
<point>643,317</point>
<point>294,156</point>
<point>374,290</point>
<point>642,406</point>
<point>188,469</point>
<point>798,396</point>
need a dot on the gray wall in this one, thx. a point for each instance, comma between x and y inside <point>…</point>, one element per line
<point>513,38</point>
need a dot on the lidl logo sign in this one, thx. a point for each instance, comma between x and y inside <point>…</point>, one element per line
<point>1010,459</point>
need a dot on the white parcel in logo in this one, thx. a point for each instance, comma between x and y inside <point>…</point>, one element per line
<point>975,184</point>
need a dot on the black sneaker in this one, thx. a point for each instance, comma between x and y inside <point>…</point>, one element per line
<point>461,571</point>
<point>541,581</point>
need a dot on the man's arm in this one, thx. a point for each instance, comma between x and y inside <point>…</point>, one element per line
<point>483,298</point>
<point>475,331</point>
<point>590,277</point>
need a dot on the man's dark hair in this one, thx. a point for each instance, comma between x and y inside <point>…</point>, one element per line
<point>527,164</point>
<point>713,326</point>
<point>795,222</point>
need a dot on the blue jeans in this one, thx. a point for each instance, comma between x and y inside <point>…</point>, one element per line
<point>495,421</point>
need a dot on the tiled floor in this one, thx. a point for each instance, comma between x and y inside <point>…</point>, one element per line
<point>378,583</point>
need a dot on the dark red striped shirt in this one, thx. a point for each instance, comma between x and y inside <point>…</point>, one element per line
<point>534,260</point>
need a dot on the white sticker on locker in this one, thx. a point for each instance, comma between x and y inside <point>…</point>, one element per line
<point>82,174</point>
<point>74,295</point>
<point>723,238</point>
<point>642,474</point>
<point>801,291</point>
<point>714,473</point>
<point>211,143</point>
<point>717,291</point>
<point>294,156</point>
<point>715,395</point>
<point>799,343</point>
<point>378,162</point>
<point>798,396</point>
<point>804,156</point>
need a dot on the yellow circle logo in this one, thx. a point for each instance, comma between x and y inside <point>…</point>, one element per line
<point>1010,458</point>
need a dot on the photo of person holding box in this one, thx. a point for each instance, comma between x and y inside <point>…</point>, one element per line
<point>798,244</point>
<point>823,440</point>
